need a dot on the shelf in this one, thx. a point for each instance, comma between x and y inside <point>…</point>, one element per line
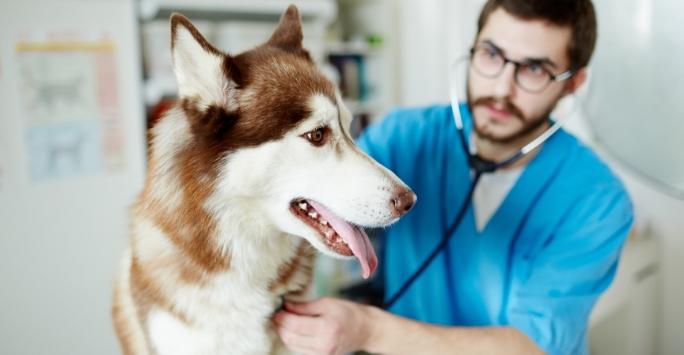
<point>350,48</point>
<point>360,107</point>
<point>156,89</point>
<point>318,10</point>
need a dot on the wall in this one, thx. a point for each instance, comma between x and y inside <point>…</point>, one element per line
<point>62,234</point>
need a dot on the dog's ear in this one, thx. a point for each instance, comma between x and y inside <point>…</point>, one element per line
<point>207,80</point>
<point>202,71</point>
<point>288,35</point>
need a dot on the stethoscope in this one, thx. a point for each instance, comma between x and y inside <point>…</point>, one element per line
<point>479,166</point>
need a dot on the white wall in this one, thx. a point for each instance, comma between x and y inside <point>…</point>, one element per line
<point>638,85</point>
<point>61,237</point>
<point>432,34</point>
<point>422,52</point>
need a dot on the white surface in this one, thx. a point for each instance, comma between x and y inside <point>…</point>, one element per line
<point>630,309</point>
<point>433,34</point>
<point>635,103</point>
<point>664,215</point>
<point>423,52</point>
<point>61,239</point>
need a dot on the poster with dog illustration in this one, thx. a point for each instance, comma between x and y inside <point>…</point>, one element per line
<point>70,103</point>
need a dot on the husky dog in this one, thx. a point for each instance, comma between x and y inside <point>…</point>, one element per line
<point>250,173</point>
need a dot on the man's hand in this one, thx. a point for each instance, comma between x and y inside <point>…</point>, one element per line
<point>324,326</point>
<point>333,326</point>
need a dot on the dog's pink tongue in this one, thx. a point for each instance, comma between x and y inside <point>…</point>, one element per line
<point>355,237</point>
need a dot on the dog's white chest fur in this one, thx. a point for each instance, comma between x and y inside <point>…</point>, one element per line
<point>225,312</point>
<point>228,320</point>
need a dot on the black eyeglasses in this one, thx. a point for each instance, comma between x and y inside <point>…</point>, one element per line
<point>530,76</point>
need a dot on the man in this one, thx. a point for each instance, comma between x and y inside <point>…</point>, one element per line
<point>541,239</point>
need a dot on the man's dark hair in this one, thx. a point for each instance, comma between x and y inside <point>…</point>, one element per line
<point>578,14</point>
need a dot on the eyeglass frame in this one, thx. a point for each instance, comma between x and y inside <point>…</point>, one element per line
<point>552,77</point>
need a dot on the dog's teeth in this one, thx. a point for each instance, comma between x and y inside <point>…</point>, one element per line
<point>324,222</point>
<point>302,205</point>
<point>329,233</point>
<point>313,215</point>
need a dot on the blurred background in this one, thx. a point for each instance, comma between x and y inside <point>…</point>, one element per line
<point>80,81</point>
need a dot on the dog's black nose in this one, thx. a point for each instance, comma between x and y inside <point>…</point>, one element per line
<point>402,202</point>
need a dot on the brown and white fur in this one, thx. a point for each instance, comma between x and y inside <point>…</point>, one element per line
<point>215,237</point>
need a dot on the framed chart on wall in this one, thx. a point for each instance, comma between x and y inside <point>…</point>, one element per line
<point>69,92</point>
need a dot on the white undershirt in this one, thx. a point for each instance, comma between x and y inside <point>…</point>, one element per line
<point>490,192</point>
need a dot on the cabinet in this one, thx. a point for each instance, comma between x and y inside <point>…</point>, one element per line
<point>626,318</point>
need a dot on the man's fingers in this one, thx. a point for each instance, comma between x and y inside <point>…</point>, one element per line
<point>292,341</point>
<point>300,324</point>
<point>312,308</point>
<point>301,344</point>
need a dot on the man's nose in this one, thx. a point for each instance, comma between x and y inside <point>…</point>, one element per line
<point>505,82</point>
<point>402,201</point>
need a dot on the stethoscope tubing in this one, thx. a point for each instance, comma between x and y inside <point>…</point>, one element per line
<point>480,166</point>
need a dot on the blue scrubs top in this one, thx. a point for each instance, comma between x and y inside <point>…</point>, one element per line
<point>540,263</point>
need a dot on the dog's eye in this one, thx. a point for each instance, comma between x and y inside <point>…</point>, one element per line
<point>318,136</point>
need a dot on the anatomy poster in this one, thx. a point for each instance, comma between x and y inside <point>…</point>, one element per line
<point>71,108</point>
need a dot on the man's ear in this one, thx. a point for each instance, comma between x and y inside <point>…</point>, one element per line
<point>288,35</point>
<point>202,71</point>
<point>576,81</point>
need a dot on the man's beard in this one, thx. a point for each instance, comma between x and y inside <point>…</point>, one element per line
<point>530,124</point>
